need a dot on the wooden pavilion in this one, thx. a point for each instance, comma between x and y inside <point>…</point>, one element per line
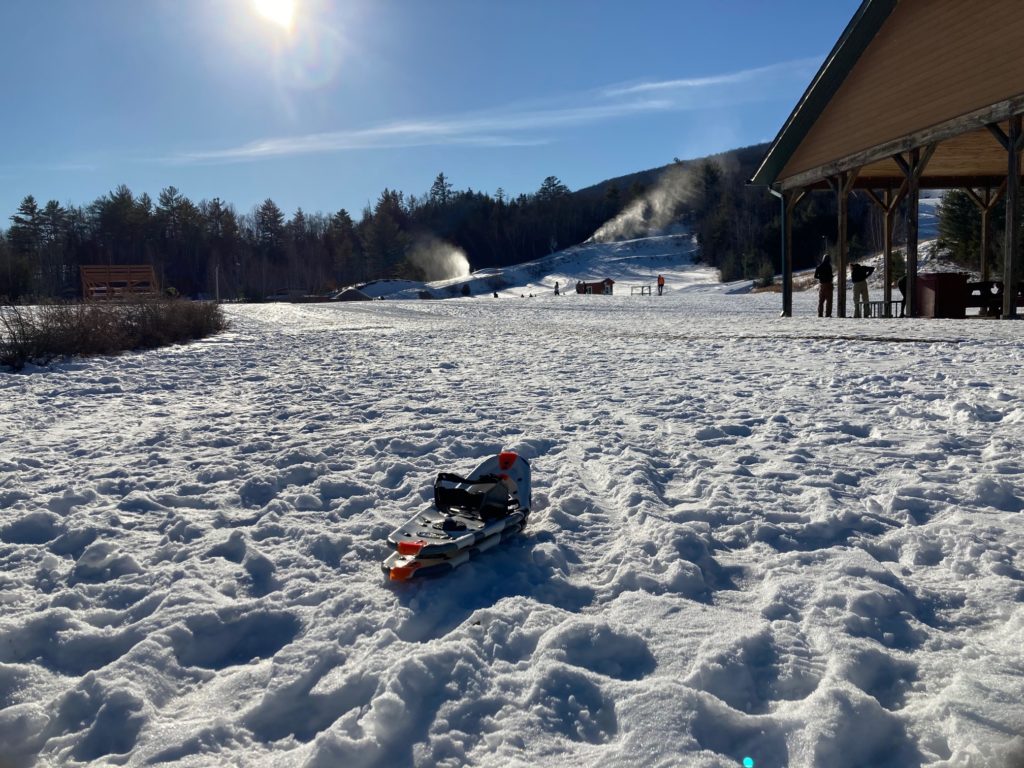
<point>916,94</point>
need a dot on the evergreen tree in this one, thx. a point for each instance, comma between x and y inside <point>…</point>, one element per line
<point>552,189</point>
<point>343,248</point>
<point>440,191</point>
<point>385,241</point>
<point>960,228</point>
<point>269,229</point>
<point>26,231</point>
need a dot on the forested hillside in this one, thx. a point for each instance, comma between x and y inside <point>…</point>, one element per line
<point>197,245</point>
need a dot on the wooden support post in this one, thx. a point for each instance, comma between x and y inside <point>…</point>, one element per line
<point>789,201</point>
<point>842,184</point>
<point>888,204</point>
<point>986,230</point>
<point>985,203</point>
<point>912,170</point>
<point>842,246</point>
<point>1011,253</point>
<point>1011,242</point>
<point>913,205</point>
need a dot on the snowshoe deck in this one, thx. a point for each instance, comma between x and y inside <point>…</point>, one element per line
<point>472,514</point>
<point>399,567</point>
<point>439,534</point>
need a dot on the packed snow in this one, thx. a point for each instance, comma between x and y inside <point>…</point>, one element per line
<point>754,540</point>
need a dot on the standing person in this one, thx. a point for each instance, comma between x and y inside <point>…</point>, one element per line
<point>556,288</point>
<point>661,284</point>
<point>823,274</point>
<point>859,275</point>
<point>902,285</point>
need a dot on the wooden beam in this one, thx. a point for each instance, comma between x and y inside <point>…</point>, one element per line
<point>790,200</point>
<point>904,166</point>
<point>972,121</point>
<point>996,130</point>
<point>842,184</point>
<point>986,239</point>
<point>914,166</point>
<point>913,202</point>
<point>975,198</point>
<point>985,204</point>
<point>1011,253</point>
<point>888,220</point>
<point>923,159</point>
<point>874,197</point>
<point>928,181</point>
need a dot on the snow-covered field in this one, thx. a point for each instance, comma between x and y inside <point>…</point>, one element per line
<point>795,541</point>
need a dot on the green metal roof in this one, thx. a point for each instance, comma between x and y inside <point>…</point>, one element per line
<point>837,65</point>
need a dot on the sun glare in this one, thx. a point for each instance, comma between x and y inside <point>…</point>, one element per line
<point>280,12</point>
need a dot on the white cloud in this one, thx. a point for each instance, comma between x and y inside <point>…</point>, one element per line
<point>521,127</point>
<point>797,67</point>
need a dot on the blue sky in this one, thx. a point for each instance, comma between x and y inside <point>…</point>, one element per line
<point>354,96</point>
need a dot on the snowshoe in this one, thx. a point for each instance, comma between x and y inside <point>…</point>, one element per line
<point>470,514</point>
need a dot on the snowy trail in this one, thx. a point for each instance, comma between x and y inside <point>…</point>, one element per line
<point>796,540</point>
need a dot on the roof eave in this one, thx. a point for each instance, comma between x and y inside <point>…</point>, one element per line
<point>858,34</point>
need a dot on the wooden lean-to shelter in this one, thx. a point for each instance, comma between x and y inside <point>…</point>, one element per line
<point>916,94</point>
<point>106,282</point>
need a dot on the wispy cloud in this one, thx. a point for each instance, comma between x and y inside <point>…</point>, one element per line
<point>522,127</point>
<point>499,129</point>
<point>797,67</point>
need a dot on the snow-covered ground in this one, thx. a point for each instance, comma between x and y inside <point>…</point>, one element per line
<point>797,541</point>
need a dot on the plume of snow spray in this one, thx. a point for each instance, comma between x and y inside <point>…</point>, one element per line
<point>438,260</point>
<point>656,208</point>
<point>651,211</point>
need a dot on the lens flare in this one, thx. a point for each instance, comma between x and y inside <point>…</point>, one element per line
<point>280,12</point>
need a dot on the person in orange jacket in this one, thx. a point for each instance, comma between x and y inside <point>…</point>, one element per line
<point>661,284</point>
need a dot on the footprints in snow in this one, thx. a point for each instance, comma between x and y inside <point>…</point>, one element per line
<point>759,670</point>
<point>231,637</point>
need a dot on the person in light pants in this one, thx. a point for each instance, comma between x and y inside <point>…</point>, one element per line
<point>823,274</point>
<point>859,275</point>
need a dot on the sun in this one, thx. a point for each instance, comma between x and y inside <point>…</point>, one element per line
<point>281,12</point>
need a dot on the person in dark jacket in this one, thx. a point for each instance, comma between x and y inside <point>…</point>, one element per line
<point>823,274</point>
<point>859,275</point>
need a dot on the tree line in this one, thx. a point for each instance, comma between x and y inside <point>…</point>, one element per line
<point>199,248</point>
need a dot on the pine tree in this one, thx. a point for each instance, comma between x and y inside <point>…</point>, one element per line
<point>342,244</point>
<point>440,191</point>
<point>960,228</point>
<point>552,189</point>
<point>26,232</point>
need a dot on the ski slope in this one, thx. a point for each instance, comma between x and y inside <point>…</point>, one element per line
<point>631,263</point>
<point>797,541</point>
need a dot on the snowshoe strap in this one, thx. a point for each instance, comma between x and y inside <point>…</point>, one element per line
<point>488,497</point>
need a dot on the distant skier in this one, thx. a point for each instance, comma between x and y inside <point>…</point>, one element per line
<point>823,274</point>
<point>556,289</point>
<point>661,284</point>
<point>859,275</point>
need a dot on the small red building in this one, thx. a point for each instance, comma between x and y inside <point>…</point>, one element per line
<point>603,287</point>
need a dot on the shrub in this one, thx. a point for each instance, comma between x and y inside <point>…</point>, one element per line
<point>50,331</point>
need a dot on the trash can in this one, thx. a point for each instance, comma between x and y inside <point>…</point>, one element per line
<point>941,294</point>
